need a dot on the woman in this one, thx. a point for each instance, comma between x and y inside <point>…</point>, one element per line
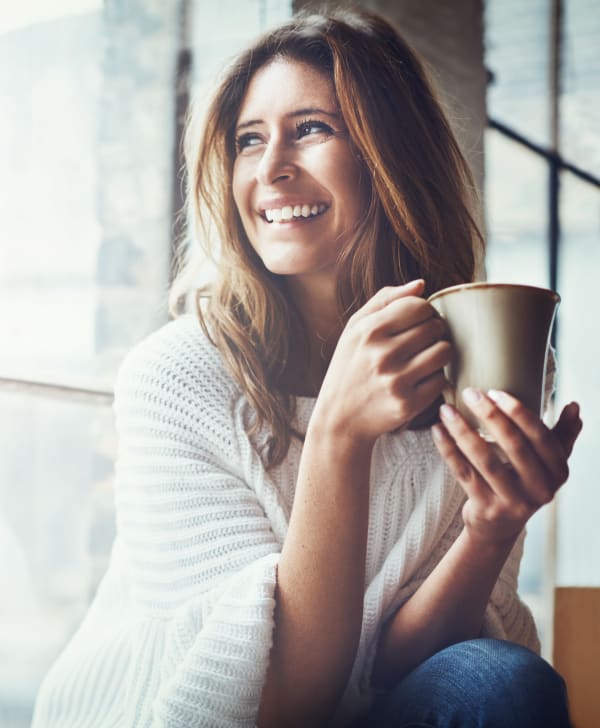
<point>292,550</point>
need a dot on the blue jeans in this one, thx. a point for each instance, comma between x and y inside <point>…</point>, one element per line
<point>480,683</point>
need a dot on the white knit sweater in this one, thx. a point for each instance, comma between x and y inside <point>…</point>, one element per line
<point>180,630</point>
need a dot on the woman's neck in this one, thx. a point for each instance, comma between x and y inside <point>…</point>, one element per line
<point>316,301</point>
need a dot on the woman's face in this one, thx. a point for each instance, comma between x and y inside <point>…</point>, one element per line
<point>296,179</point>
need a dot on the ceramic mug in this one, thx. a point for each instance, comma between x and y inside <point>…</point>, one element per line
<point>501,336</point>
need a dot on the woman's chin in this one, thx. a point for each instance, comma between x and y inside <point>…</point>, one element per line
<point>280,267</point>
<point>293,267</point>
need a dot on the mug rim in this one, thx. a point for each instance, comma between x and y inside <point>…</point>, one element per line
<point>486,284</point>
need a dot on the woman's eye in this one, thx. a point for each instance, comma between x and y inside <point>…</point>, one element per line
<point>308,127</point>
<point>244,141</point>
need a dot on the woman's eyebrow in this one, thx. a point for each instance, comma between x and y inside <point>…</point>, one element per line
<point>313,110</point>
<point>292,115</point>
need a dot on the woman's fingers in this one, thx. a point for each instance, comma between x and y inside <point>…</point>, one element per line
<point>553,447</point>
<point>420,381</point>
<point>387,295</point>
<point>484,458</point>
<point>417,338</point>
<point>471,481</point>
<point>526,442</point>
<point>427,362</point>
<point>568,427</point>
<point>401,315</point>
<point>428,390</point>
<point>410,336</point>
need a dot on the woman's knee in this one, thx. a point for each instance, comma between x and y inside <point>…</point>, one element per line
<point>510,664</point>
<point>479,683</point>
<point>513,680</point>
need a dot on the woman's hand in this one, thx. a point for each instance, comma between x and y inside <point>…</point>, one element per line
<point>387,366</point>
<point>507,481</point>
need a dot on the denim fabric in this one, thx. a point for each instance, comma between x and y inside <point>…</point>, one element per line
<point>480,683</point>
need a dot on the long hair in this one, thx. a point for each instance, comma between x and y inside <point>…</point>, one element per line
<point>418,221</point>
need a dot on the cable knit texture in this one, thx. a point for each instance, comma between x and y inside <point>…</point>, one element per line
<point>180,630</point>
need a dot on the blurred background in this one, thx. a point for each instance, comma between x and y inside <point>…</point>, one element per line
<point>93,99</point>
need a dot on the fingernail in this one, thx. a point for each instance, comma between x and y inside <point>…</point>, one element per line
<point>436,431</point>
<point>414,282</point>
<point>471,396</point>
<point>496,395</point>
<point>447,412</point>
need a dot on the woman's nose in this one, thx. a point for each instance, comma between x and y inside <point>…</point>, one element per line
<point>276,164</point>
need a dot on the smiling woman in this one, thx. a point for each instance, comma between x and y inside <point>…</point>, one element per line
<point>293,549</point>
<point>408,212</point>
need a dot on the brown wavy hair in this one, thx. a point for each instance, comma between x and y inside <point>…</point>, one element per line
<point>418,223</point>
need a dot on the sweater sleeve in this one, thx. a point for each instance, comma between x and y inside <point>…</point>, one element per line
<point>201,552</point>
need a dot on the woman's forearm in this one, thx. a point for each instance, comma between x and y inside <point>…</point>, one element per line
<point>447,608</point>
<point>320,583</point>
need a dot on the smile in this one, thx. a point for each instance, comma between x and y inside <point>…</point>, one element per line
<point>296,212</point>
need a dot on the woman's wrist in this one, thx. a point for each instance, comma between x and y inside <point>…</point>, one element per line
<point>328,429</point>
<point>485,546</point>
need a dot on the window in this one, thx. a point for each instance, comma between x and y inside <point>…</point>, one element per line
<point>89,188</point>
<point>543,205</point>
<point>85,179</point>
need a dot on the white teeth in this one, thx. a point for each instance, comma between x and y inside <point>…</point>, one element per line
<point>284,214</point>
